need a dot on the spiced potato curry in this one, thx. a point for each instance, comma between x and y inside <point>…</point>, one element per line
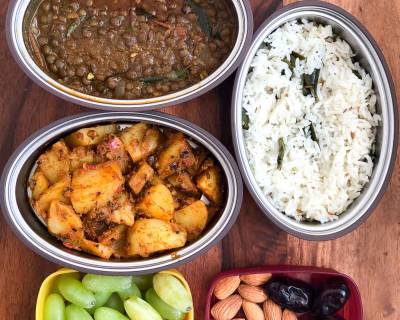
<point>126,191</point>
<point>130,49</point>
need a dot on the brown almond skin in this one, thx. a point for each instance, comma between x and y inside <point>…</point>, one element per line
<point>252,311</point>
<point>252,293</point>
<point>226,286</point>
<point>272,311</point>
<point>256,279</point>
<point>288,315</point>
<point>228,308</point>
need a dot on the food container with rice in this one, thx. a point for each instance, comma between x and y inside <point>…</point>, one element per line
<point>315,120</point>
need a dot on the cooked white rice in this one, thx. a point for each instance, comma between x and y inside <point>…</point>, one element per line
<point>318,178</point>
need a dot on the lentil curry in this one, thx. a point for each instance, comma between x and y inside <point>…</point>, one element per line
<point>130,49</point>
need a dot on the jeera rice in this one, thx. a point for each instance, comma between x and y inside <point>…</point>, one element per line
<point>310,121</point>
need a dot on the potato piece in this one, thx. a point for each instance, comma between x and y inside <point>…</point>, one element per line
<point>148,236</point>
<point>193,218</point>
<point>210,183</point>
<point>38,184</point>
<point>116,239</point>
<point>157,203</point>
<point>151,142</point>
<point>140,141</point>
<point>200,155</point>
<point>95,185</point>
<point>96,249</point>
<point>184,182</point>
<point>182,199</point>
<point>177,156</point>
<point>123,211</point>
<point>55,192</point>
<point>114,234</point>
<point>156,180</point>
<point>81,155</point>
<point>112,148</point>
<point>132,139</point>
<point>90,136</point>
<point>139,179</point>
<point>208,163</point>
<point>54,163</point>
<point>63,222</point>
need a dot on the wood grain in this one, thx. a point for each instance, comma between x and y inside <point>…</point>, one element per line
<point>371,254</point>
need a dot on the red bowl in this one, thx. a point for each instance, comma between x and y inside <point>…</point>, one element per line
<point>311,275</point>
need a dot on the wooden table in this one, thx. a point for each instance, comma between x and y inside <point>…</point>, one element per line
<point>371,254</point>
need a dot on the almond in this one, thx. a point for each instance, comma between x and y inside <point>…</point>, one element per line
<point>252,293</point>
<point>272,311</point>
<point>228,308</point>
<point>252,311</point>
<point>256,279</point>
<point>288,315</point>
<point>226,286</point>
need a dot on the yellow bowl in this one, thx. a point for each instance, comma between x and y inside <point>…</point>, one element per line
<point>48,286</point>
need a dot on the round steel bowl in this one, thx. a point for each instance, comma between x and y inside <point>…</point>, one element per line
<point>372,60</point>
<point>15,27</point>
<point>18,213</point>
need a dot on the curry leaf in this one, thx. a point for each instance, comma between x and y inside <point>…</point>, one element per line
<point>281,152</point>
<point>310,83</point>
<point>178,74</point>
<point>357,74</point>
<point>153,79</point>
<point>202,17</point>
<point>245,120</point>
<point>293,56</point>
<point>313,134</point>
<point>74,25</point>
<point>144,13</point>
<point>172,76</point>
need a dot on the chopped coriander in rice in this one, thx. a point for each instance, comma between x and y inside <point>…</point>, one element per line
<point>304,92</point>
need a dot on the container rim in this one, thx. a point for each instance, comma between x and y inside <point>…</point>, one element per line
<point>333,12</point>
<point>64,257</point>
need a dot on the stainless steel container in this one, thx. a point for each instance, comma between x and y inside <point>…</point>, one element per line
<point>372,60</point>
<point>18,10</point>
<point>18,213</point>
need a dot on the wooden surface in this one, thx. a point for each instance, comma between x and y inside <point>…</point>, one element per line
<point>371,254</point>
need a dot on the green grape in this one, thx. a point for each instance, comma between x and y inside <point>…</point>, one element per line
<point>172,292</point>
<point>143,282</point>
<point>74,312</point>
<point>138,309</point>
<point>73,275</point>
<point>101,299</point>
<point>116,303</point>
<point>54,307</point>
<point>133,290</point>
<point>104,313</point>
<point>73,291</point>
<point>165,310</point>
<point>98,283</point>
